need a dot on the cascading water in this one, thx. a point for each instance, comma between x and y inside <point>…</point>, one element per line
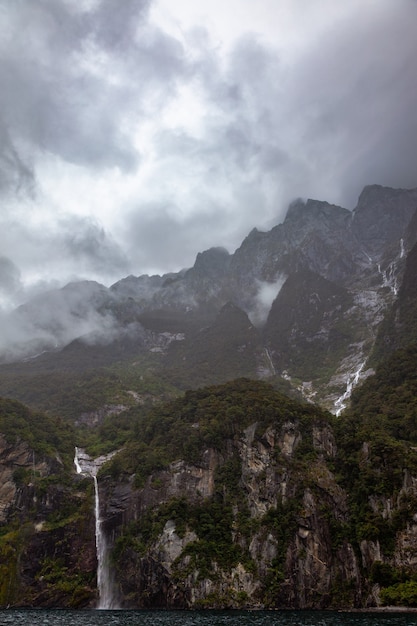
<point>270,362</point>
<point>104,582</point>
<point>352,381</point>
<point>106,592</point>
<point>390,274</point>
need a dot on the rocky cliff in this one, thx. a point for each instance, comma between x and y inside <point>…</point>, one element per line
<point>274,515</point>
<point>47,545</point>
<point>233,496</point>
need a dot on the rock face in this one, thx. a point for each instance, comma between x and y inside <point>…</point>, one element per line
<point>274,505</point>
<point>320,282</point>
<point>282,527</point>
<point>47,555</point>
<point>15,459</point>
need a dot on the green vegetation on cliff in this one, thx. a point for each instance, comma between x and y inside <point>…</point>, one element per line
<point>206,418</point>
<point>388,400</point>
<point>346,483</point>
<point>366,462</point>
<point>43,434</point>
<point>44,515</point>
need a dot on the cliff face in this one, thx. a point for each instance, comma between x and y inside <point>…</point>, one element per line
<point>47,545</point>
<point>264,524</point>
<point>15,459</point>
<point>235,496</point>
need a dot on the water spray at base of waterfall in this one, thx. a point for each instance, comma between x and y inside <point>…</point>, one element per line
<point>105,583</point>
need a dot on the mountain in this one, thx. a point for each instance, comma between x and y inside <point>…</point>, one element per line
<point>231,495</point>
<point>312,293</point>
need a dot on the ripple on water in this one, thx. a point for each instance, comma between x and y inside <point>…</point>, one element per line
<point>202,618</point>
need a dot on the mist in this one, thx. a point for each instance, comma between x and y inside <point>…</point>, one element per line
<point>266,294</point>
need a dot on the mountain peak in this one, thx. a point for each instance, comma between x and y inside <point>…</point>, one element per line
<point>312,209</point>
<point>213,260</point>
<point>384,198</point>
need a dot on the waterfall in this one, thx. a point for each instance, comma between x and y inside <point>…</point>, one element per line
<point>352,381</point>
<point>106,593</point>
<point>104,581</point>
<point>389,276</point>
<point>270,362</point>
<point>77,463</point>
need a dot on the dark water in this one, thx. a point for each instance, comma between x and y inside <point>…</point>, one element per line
<point>202,618</point>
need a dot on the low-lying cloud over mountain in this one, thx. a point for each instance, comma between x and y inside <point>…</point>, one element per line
<point>134,134</point>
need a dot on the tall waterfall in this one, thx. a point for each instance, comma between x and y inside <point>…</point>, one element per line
<point>105,584</point>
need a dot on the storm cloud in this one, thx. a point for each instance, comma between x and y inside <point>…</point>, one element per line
<point>132,137</point>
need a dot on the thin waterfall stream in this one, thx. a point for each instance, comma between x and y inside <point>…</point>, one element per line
<point>84,464</point>
<point>352,381</point>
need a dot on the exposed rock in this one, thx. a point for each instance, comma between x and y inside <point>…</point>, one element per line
<point>316,572</point>
<point>324,440</point>
<point>291,550</point>
<point>93,418</point>
<point>17,456</point>
<point>341,271</point>
<point>50,532</point>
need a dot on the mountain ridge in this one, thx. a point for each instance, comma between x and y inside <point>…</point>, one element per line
<point>362,252</point>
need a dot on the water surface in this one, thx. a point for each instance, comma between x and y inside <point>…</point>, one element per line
<point>202,618</point>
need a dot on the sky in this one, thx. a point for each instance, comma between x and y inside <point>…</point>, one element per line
<point>136,133</point>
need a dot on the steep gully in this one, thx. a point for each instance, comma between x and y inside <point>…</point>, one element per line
<point>389,278</point>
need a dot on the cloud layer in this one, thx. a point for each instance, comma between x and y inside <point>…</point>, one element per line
<point>132,138</point>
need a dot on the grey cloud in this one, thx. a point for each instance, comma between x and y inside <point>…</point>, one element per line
<point>46,103</point>
<point>16,174</point>
<point>56,318</point>
<point>69,248</point>
<point>57,89</point>
<point>115,23</point>
<point>354,99</point>
<point>343,115</point>
<point>148,62</point>
<point>10,281</point>
<point>76,77</point>
<point>160,233</point>
<point>89,244</point>
<point>239,151</point>
<point>266,294</point>
<point>162,236</point>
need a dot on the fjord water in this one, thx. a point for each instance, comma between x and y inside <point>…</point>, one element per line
<point>202,618</point>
